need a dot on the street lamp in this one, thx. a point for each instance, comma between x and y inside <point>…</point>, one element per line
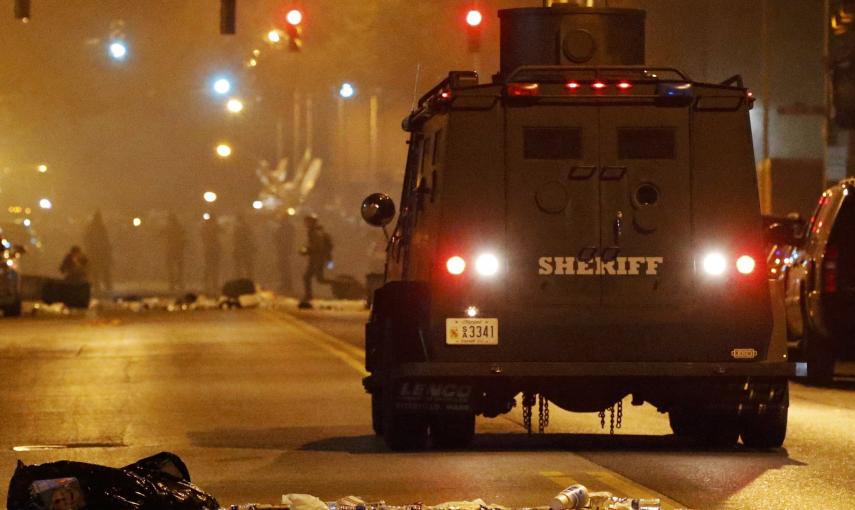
<point>234,105</point>
<point>209,196</point>
<point>274,36</point>
<point>257,205</point>
<point>45,204</point>
<point>346,91</point>
<point>222,86</point>
<point>224,150</point>
<point>118,50</point>
<point>137,222</point>
<point>42,168</point>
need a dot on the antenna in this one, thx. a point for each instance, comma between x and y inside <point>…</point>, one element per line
<point>416,85</point>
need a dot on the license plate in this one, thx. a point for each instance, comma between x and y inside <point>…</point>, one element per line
<point>472,331</point>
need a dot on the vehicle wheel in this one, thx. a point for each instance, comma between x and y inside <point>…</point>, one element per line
<point>766,430</point>
<point>819,356</point>
<point>404,431</point>
<point>708,429</point>
<point>377,412</point>
<point>13,310</point>
<point>452,431</point>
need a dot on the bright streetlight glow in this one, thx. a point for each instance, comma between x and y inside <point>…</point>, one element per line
<point>294,17</point>
<point>206,216</point>
<point>274,36</point>
<point>42,168</point>
<point>45,204</point>
<point>222,86</point>
<point>137,222</point>
<point>292,211</point>
<point>234,105</point>
<point>224,150</point>
<point>257,205</point>
<point>346,91</point>
<point>474,18</point>
<point>209,196</point>
<point>118,50</point>
<point>27,222</point>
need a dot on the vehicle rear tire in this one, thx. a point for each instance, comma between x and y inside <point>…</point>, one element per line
<point>766,430</point>
<point>452,431</point>
<point>819,356</point>
<point>709,429</point>
<point>377,412</point>
<point>13,310</point>
<point>405,431</point>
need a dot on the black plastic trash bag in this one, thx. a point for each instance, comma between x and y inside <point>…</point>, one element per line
<point>159,482</point>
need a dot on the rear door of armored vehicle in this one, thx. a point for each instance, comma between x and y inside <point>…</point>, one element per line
<point>608,184</point>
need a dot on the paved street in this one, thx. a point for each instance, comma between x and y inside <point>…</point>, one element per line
<point>259,403</point>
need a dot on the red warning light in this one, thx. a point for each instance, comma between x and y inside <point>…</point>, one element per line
<point>598,85</point>
<point>294,17</point>
<point>572,85</point>
<point>624,85</point>
<point>474,18</point>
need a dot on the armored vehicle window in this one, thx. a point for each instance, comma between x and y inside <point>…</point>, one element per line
<point>647,143</point>
<point>552,143</point>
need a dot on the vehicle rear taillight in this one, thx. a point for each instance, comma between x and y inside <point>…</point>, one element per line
<point>598,85</point>
<point>572,86</point>
<point>745,264</point>
<point>624,85</point>
<point>829,269</point>
<point>523,89</point>
<point>455,265</point>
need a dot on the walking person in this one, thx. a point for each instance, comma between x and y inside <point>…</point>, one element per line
<point>318,250</point>
<point>176,241</point>
<point>211,248</point>
<point>284,242</point>
<point>97,244</point>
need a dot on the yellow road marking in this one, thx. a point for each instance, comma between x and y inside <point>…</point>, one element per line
<point>350,355</point>
<point>614,483</point>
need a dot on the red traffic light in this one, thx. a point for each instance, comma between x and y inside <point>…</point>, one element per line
<point>474,18</point>
<point>294,17</point>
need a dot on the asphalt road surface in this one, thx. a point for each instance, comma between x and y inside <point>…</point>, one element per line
<point>259,404</point>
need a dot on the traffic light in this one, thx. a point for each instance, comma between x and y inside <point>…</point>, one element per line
<point>22,10</point>
<point>294,29</point>
<point>228,16</point>
<point>473,29</point>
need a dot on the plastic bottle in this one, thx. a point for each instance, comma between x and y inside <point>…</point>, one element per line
<point>575,496</point>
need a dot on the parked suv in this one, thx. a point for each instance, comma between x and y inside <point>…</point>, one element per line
<point>820,284</point>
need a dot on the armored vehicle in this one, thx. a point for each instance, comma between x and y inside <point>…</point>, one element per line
<point>581,228</point>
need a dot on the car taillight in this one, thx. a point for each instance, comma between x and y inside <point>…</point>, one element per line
<point>455,265</point>
<point>523,89</point>
<point>745,264</point>
<point>829,269</point>
<point>624,85</point>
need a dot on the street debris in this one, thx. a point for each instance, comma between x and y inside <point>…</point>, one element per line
<point>162,482</point>
<point>157,482</point>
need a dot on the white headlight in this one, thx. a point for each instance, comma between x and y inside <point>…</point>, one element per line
<point>487,264</point>
<point>714,264</point>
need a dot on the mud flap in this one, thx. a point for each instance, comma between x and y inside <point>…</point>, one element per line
<point>433,396</point>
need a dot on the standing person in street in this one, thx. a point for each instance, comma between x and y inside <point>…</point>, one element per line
<point>211,248</point>
<point>74,266</point>
<point>318,250</point>
<point>284,242</point>
<point>97,244</point>
<point>243,249</point>
<point>176,240</point>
